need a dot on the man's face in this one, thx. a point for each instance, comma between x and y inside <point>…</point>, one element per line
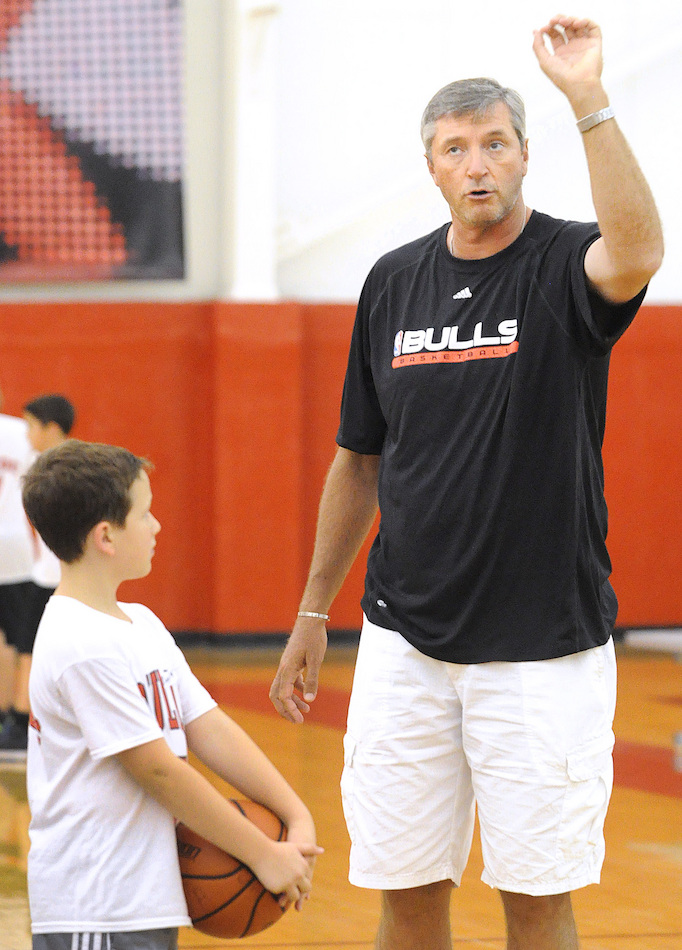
<point>479,166</point>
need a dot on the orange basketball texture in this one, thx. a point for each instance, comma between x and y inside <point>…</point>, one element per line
<point>224,897</point>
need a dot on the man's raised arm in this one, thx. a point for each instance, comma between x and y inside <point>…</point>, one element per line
<point>630,249</point>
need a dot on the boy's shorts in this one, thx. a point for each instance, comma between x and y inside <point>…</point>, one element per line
<point>37,599</point>
<point>14,613</point>
<point>528,744</point>
<point>166,939</point>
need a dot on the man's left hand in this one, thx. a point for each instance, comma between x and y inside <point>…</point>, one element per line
<point>576,61</point>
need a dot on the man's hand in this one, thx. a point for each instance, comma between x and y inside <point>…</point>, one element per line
<point>576,62</point>
<point>299,669</point>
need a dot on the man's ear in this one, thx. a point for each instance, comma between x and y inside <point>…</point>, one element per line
<point>102,538</point>
<point>429,165</point>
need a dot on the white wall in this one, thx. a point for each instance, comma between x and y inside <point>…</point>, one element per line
<point>356,75</point>
<point>303,158</point>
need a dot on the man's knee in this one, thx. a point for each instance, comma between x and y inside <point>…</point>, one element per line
<point>428,900</point>
<point>415,918</point>
<point>525,909</point>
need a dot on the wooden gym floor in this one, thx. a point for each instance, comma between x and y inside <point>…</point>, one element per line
<point>638,905</point>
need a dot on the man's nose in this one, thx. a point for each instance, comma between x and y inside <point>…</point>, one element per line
<point>476,167</point>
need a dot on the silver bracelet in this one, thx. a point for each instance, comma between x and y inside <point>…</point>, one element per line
<point>595,118</point>
<point>313,613</point>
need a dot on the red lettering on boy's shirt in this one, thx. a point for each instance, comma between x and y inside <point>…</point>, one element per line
<point>172,717</point>
<point>175,722</point>
<point>154,679</point>
<point>159,700</point>
<point>34,724</point>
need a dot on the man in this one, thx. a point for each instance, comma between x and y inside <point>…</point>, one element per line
<point>474,410</point>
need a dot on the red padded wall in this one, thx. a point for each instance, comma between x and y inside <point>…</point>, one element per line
<point>237,406</point>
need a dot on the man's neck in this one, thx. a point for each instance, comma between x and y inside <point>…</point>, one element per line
<point>474,243</point>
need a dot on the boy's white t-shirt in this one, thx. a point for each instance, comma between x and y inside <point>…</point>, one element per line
<point>103,853</point>
<point>16,539</point>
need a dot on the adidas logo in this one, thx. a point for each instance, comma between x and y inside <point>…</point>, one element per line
<point>462,294</point>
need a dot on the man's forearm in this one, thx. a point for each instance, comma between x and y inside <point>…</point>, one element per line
<point>630,249</point>
<point>347,510</point>
<point>625,207</point>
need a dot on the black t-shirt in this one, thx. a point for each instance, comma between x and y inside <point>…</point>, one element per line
<point>482,385</point>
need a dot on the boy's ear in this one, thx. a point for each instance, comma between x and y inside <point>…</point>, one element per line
<point>102,538</point>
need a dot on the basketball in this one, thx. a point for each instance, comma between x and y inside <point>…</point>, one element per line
<point>224,897</point>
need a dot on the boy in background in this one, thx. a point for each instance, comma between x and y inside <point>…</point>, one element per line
<point>49,420</point>
<point>16,559</point>
<point>114,710</point>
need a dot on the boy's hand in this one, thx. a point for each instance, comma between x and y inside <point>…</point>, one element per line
<point>301,832</point>
<point>286,870</point>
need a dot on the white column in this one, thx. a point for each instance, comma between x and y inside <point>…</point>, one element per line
<point>250,150</point>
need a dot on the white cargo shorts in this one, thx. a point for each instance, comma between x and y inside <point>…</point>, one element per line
<point>528,744</point>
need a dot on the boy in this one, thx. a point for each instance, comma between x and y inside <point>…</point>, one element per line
<point>16,554</point>
<point>49,420</point>
<point>114,709</point>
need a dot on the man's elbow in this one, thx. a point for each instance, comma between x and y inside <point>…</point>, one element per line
<point>644,258</point>
<point>635,275</point>
<point>652,259</point>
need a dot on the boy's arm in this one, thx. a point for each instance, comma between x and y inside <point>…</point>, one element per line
<point>229,751</point>
<point>283,867</point>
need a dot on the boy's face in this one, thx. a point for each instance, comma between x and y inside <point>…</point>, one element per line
<point>136,539</point>
<point>38,433</point>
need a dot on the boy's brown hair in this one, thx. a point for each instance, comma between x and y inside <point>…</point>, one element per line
<point>72,487</point>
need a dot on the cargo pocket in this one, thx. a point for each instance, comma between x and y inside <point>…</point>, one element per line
<point>589,759</point>
<point>589,768</point>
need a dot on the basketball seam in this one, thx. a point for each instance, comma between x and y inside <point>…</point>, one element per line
<point>234,897</point>
<point>254,909</point>
<point>214,877</point>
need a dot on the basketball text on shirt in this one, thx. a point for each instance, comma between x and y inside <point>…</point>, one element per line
<point>418,346</point>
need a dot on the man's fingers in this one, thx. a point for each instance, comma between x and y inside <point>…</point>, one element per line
<point>310,687</point>
<point>284,698</point>
<point>298,672</point>
<point>289,706</point>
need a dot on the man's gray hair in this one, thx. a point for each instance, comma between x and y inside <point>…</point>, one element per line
<point>474,97</point>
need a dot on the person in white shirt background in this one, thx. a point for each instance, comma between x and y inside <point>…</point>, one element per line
<point>48,419</point>
<point>16,554</point>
